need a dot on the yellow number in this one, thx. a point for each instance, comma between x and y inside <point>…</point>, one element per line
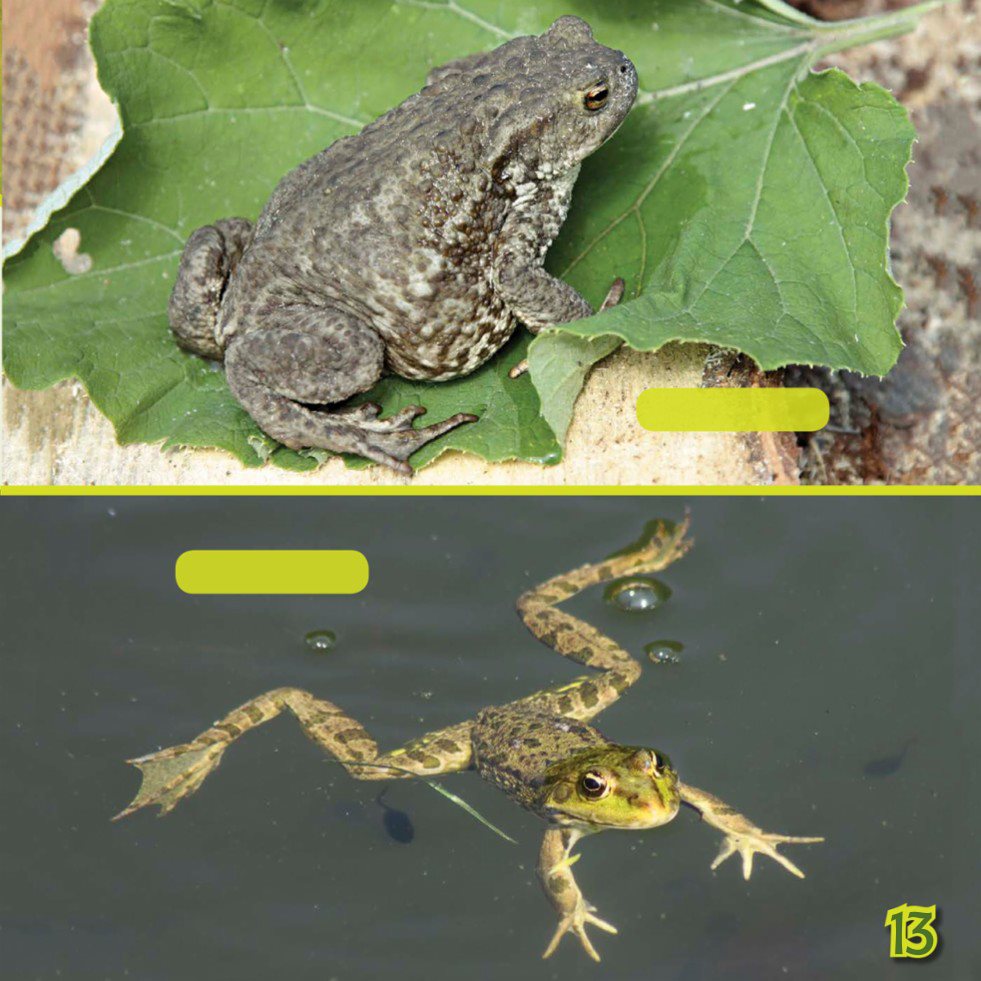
<point>911,933</point>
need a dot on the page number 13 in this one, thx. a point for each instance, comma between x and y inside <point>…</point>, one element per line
<point>911,933</point>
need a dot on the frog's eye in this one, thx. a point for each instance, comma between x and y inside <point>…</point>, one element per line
<point>593,785</point>
<point>656,764</point>
<point>595,98</point>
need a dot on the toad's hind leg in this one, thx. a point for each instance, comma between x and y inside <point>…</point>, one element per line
<point>172,774</point>
<point>583,698</point>
<point>207,263</point>
<point>301,360</point>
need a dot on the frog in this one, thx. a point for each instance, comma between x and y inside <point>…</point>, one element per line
<point>412,248</point>
<point>540,750</point>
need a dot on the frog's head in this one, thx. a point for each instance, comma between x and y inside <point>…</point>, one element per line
<point>625,787</point>
<point>547,101</point>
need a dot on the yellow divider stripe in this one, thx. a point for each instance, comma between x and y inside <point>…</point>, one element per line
<point>489,490</point>
<point>271,571</point>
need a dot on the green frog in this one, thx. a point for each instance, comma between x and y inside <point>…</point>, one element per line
<point>540,750</point>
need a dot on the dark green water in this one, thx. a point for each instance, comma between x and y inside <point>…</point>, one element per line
<point>829,684</point>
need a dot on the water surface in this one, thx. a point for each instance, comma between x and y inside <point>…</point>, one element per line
<point>829,685</point>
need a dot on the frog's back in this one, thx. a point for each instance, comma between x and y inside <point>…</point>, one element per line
<point>514,746</point>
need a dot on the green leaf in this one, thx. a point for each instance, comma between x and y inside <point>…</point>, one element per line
<point>219,98</point>
<point>748,209</point>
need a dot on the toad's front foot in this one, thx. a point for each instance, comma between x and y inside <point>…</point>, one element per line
<point>613,296</point>
<point>575,922</point>
<point>393,440</point>
<point>747,844</point>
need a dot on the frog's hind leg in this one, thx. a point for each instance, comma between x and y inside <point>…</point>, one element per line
<point>172,774</point>
<point>571,637</point>
<point>303,360</point>
<point>207,263</point>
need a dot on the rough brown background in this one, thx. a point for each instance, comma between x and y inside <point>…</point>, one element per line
<point>921,424</point>
<point>918,426</point>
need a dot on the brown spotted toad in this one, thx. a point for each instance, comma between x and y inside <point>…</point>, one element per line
<point>414,247</point>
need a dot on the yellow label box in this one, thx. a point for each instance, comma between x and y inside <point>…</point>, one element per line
<point>733,410</point>
<point>271,571</point>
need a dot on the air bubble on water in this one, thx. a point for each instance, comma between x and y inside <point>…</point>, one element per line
<point>638,594</point>
<point>664,651</point>
<point>320,641</point>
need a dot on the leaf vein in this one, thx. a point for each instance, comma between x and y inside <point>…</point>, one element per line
<point>759,21</point>
<point>649,186</point>
<point>182,68</point>
<point>709,81</point>
<point>830,203</point>
<point>764,164</point>
<point>452,7</point>
<point>95,273</point>
<point>95,206</point>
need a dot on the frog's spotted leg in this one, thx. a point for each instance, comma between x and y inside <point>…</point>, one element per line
<point>555,872</point>
<point>172,774</point>
<point>741,835</point>
<point>588,696</point>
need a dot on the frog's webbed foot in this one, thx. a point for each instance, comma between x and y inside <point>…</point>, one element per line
<point>613,296</point>
<point>574,922</point>
<point>664,543</point>
<point>172,774</point>
<point>393,440</point>
<point>747,844</point>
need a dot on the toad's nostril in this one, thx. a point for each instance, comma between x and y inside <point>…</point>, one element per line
<point>624,69</point>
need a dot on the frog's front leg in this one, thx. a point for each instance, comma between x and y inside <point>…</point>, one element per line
<point>741,835</point>
<point>555,871</point>
<point>301,360</point>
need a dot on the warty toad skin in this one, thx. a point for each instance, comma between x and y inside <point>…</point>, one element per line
<point>415,247</point>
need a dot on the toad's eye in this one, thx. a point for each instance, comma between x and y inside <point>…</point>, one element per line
<point>596,97</point>
<point>593,785</point>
